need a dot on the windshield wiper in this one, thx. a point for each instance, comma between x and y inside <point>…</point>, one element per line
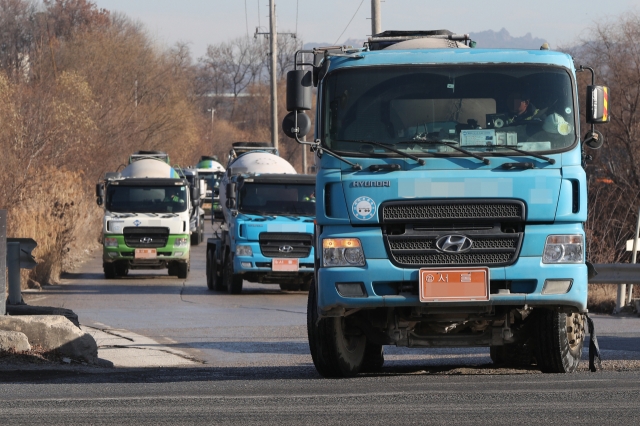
<point>387,146</point>
<point>532,154</point>
<point>449,144</point>
<point>256,212</point>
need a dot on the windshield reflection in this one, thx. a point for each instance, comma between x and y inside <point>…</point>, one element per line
<point>472,107</point>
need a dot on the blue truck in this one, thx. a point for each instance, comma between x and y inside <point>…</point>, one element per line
<point>451,200</point>
<point>266,233</point>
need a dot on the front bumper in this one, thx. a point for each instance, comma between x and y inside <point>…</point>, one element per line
<point>165,254</point>
<point>381,277</point>
<point>257,263</point>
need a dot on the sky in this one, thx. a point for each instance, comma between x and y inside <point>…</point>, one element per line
<point>203,22</point>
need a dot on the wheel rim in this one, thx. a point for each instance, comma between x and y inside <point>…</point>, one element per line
<point>575,330</point>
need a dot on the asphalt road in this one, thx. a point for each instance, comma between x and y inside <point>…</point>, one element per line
<point>254,367</point>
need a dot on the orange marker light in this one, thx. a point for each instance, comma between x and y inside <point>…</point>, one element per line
<point>341,243</point>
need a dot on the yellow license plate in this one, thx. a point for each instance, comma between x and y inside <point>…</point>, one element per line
<point>146,253</point>
<point>285,265</point>
<point>454,285</point>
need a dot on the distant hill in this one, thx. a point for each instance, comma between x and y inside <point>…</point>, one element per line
<point>485,39</point>
<point>502,39</point>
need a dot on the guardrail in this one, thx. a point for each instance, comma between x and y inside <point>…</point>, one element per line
<point>15,254</point>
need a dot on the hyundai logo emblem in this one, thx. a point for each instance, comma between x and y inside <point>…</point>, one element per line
<point>146,240</point>
<point>285,249</point>
<point>454,244</point>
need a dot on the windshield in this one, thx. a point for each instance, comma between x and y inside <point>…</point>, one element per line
<point>154,199</point>
<point>478,108</point>
<point>277,199</point>
<point>213,180</point>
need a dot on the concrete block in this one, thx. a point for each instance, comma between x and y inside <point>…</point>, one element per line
<point>14,341</point>
<point>53,333</point>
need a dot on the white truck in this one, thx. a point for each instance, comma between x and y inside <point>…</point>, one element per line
<point>147,210</point>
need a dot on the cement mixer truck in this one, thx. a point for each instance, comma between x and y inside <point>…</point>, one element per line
<point>266,235</point>
<point>210,169</point>
<point>147,208</point>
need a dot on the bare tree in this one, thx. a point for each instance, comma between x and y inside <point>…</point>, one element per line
<point>232,66</point>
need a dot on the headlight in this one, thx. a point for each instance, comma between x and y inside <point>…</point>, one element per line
<point>111,242</point>
<point>244,251</point>
<point>342,252</point>
<point>181,242</point>
<point>563,249</point>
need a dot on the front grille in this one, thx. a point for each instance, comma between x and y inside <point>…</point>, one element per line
<point>145,237</point>
<point>467,210</point>
<point>487,249</point>
<point>277,244</point>
<point>453,259</point>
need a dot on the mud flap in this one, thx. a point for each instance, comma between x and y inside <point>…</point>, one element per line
<point>595,362</point>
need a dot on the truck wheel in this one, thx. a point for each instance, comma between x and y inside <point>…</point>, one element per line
<point>214,282</point>
<point>334,352</point>
<point>109,271</point>
<point>195,238</point>
<point>182,270</point>
<point>233,282</point>
<point>513,355</point>
<point>373,358</point>
<point>559,341</point>
<point>122,269</point>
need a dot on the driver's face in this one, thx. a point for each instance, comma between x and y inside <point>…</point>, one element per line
<point>518,106</point>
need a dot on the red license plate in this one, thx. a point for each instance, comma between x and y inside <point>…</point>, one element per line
<point>454,285</point>
<point>146,253</point>
<point>285,265</point>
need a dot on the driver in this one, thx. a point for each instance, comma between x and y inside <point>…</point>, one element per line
<point>522,109</point>
<point>172,195</point>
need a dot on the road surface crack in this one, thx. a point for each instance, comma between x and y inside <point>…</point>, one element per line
<point>105,330</point>
<point>184,286</point>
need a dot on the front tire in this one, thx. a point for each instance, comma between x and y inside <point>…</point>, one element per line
<point>233,282</point>
<point>109,270</point>
<point>214,282</point>
<point>559,341</point>
<point>335,352</point>
<point>182,270</point>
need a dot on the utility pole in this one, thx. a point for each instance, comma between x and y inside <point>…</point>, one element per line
<point>273,40</point>
<point>376,18</point>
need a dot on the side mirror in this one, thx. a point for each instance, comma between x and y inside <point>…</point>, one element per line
<point>597,104</point>
<point>299,90</point>
<point>231,192</point>
<point>289,124</point>
<point>195,193</point>
<point>99,194</point>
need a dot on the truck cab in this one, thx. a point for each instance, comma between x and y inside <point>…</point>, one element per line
<point>211,170</point>
<point>451,201</point>
<point>196,222</point>
<point>147,210</point>
<point>267,231</point>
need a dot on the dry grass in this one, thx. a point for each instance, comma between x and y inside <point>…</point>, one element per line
<point>602,297</point>
<point>58,212</point>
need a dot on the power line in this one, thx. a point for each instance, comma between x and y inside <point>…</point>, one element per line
<point>345,28</point>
